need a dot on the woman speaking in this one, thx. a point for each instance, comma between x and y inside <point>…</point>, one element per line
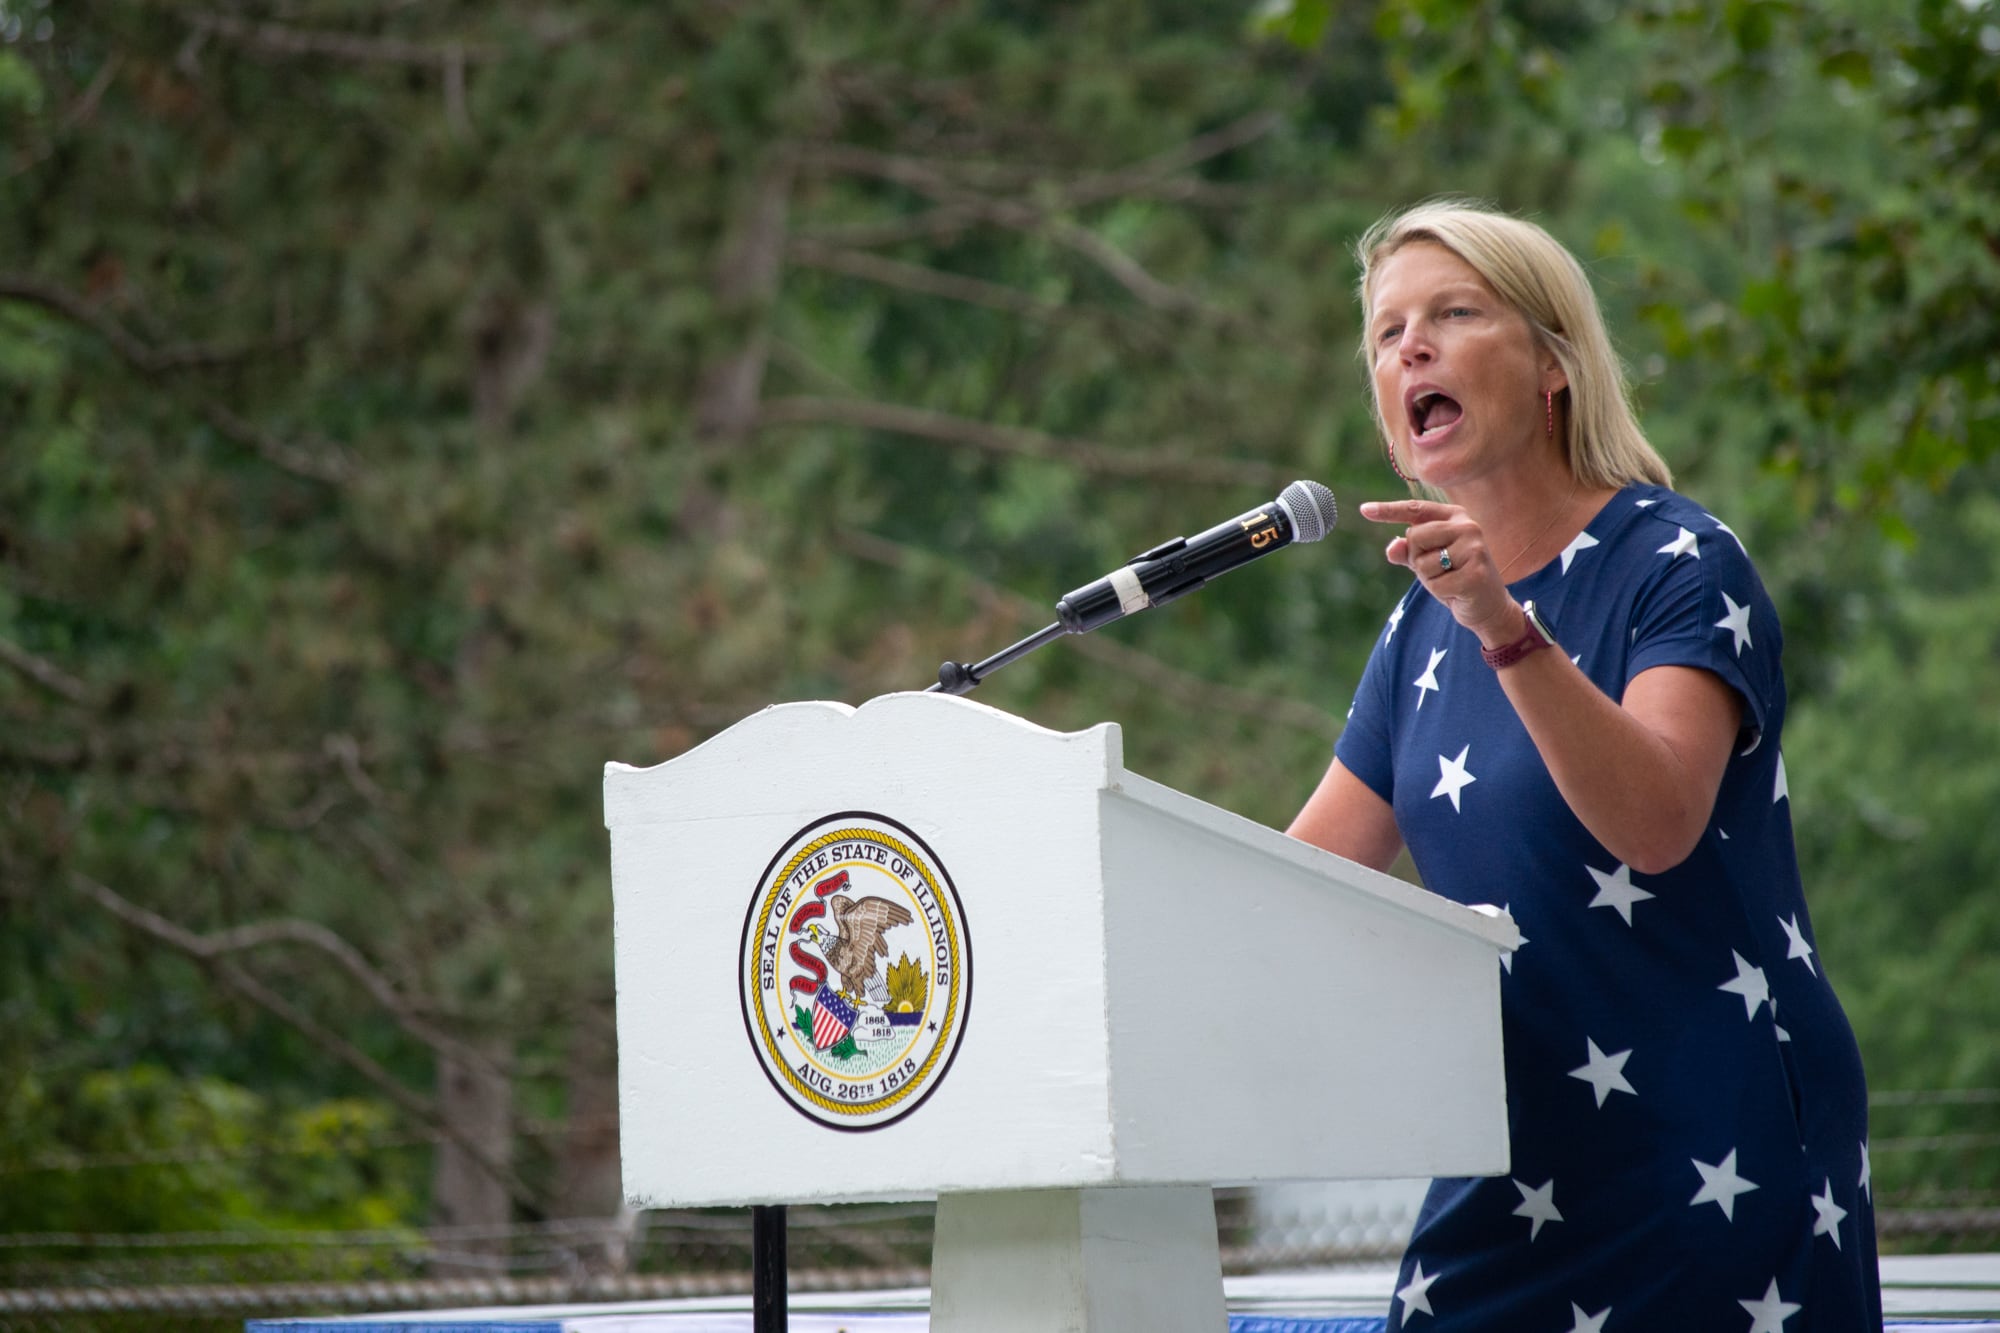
<point>1576,711</point>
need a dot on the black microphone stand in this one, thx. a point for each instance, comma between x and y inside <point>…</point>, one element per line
<point>768,1312</point>
<point>958,678</point>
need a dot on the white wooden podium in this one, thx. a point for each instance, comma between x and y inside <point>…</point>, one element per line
<point>925,948</point>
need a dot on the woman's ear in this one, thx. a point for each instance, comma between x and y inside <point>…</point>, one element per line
<point>1554,378</point>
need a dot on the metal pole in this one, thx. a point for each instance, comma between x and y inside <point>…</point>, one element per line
<point>958,678</point>
<point>767,1269</point>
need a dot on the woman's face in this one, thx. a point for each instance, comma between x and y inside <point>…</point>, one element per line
<point>1458,376</point>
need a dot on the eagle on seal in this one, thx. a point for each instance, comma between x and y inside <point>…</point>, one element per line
<point>852,953</point>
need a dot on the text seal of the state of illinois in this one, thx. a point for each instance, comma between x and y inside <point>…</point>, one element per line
<point>856,971</point>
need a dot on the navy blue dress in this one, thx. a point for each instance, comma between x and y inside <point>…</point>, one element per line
<point>1684,1095</point>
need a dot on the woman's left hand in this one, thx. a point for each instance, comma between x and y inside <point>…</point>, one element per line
<point>1446,549</point>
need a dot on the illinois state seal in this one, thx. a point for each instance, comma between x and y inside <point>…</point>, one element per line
<point>856,971</point>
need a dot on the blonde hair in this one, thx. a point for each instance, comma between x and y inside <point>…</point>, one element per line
<point>1532,272</point>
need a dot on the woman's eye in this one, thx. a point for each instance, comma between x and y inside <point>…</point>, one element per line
<point>1386,334</point>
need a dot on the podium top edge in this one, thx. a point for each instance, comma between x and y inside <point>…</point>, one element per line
<point>1484,921</point>
<point>899,708</point>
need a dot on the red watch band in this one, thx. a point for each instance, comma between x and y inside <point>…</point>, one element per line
<point>1536,635</point>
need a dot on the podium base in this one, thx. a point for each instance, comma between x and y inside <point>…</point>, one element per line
<point>1137,1260</point>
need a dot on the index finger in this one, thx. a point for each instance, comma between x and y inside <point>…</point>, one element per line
<point>1404,511</point>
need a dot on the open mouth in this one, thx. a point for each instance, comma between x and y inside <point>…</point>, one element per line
<point>1431,412</point>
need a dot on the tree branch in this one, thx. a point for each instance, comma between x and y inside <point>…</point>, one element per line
<point>43,672</point>
<point>941,223</point>
<point>1248,129</point>
<point>917,278</point>
<point>1149,176</point>
<point>330,464</point>
<point>1015,441</point>
<point>79,111</point>
<point>206,951</point>
<point>1126,271</point>
<point>948,181</point>
<point>932,182</point>
<point>209,948</point>
<point>1197,692</point>
<point>283,40</point>
<point>130,348</point>
<point>947,221</point>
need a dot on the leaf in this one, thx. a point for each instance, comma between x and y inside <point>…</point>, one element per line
<point>20,86</point>
<point>1684,141</point>
<point>1851,65</point>
<point>1302,23</point>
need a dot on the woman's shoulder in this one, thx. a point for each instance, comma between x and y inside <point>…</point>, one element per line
<point>1654,521</point>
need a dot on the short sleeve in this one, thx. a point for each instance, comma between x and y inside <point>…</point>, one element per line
<point>1708,609</point>
<point>1364,747</point>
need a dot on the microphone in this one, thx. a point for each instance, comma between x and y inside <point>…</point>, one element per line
<point>1303,512</point>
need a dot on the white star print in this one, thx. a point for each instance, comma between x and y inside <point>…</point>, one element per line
<point>1615,890</point>
<point>1429,681</point>
<point>1769,1314</point>
<point>1750,983</point>
<point>1584,541</point>
<point>1737,622</point>
<point>1587,1323</point>
<point>1830,1213</point>
<point>1780,789</point>
<point>1538,1206</point>
<point>1416,1297</point>
<point>1507,959</point>
<point>1720,526</point>
<point>1645,504</point>
<point>1866,1173</point>
<point>1452,777</point>
<point>1799,948</point>
<point>1720,1185</point>
<point>1395,619</point>
<point>1604,1073</point>
<point>1682,544</point>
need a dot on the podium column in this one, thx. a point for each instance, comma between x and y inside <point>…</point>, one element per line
<point>1141,1259</point>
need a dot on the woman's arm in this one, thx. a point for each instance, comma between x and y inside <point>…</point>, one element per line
<point>1347,818</point>
<point>1643,775</point>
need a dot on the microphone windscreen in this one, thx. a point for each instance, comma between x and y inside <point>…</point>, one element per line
<point>1311,508</point>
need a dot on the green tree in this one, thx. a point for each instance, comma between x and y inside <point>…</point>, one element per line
<point>415,409</point>
<point>410,408</point>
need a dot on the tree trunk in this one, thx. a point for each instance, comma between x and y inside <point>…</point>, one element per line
<point>479,1101</point>
<point>589,1182</point>
<point>746,282</point>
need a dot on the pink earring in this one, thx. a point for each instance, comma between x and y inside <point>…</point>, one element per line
<point>1389,447</point>
<point>1549,400</point>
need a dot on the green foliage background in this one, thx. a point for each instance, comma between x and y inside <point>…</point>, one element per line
<point>408,408</point>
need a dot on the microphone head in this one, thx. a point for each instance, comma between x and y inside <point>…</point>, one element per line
<point>1311,508</point>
